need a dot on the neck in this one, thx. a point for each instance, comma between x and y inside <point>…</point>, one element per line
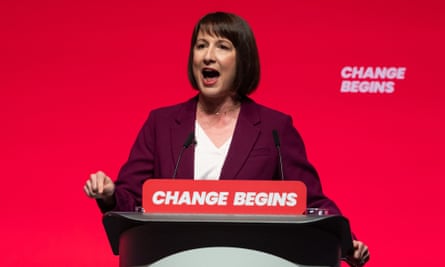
<point>215,107</point>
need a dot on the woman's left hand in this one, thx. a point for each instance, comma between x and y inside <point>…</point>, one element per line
<point>360,255</point>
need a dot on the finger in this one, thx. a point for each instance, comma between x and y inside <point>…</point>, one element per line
<point>101,178</point>
<point>107,180</point>
<point>108,187</point>
<point>357,249</point>
<point>365,256</point>
<point>87,190</point>
<point>364,260</point>
<point>93,182</point>
<point>88,186</point>
<point>361,250</point>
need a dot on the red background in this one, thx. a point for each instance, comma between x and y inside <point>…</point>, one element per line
<point>78,79</point>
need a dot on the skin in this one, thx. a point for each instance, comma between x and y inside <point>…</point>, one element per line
<point>216,96</point>
<point>360,256</point>
<point>219,54</point>
<point>217,113</point>
<point>99,186</point>
<point>217,109</point>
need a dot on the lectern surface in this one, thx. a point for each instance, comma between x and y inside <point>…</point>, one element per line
<point>296,238</point>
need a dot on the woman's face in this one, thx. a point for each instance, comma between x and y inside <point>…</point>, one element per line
<point>214,65</point>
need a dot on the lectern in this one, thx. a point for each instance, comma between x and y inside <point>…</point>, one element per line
<point>143,239</point>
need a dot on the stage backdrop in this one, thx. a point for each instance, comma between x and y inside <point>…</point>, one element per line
<point>363,81</point>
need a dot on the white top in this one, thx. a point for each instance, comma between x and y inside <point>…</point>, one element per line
<point>209,159</point>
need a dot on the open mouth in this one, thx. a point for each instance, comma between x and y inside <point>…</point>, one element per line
<point>210,73</point>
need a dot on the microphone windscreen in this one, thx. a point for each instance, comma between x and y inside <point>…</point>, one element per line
<point>189,140</point>
<point>276,139</point>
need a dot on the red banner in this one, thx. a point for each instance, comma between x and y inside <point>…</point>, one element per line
<point>224,197</point>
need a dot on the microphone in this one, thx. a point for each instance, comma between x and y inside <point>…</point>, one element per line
<point>276,140</point>
<point>190,140</point>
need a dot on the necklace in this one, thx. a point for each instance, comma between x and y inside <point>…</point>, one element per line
<point>218,112</point>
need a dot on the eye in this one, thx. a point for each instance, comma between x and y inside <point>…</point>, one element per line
<point>200,46</point>
<point>225,45</point>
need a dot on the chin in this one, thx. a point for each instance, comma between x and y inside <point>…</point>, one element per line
<point>211,93</point>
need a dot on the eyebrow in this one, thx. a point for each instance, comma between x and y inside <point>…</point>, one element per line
<point>218,40</point>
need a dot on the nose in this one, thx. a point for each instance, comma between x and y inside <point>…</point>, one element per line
<point>209,56</point>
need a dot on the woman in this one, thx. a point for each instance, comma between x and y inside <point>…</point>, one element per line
<point>232,134</point>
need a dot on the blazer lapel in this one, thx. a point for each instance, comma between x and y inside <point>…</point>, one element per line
<point>183,125</point>
<point>244,138</point>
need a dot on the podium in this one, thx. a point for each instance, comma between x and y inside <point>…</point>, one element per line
<point>144,239</point>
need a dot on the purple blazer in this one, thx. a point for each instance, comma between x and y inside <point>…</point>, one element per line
<point>252,154</point>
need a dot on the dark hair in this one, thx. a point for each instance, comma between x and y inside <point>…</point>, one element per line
<point>237,30</point>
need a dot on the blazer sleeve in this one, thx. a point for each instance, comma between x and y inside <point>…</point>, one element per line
<point>138,168</point>
<point>297,167</point>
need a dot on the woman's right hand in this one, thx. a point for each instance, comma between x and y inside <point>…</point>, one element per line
<point>99,186</point>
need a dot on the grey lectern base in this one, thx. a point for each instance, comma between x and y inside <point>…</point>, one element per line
<point>175,240</point>
<point>224,257</point>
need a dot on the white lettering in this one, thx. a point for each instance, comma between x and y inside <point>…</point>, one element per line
<point>401,73</point>
<point>239,198</point>
<point>249,200</point>
<point>261,199</point>
<point>156,198</point>
<point>184,199</point>
<point>292,199</point>
<point>346,72</point>
<point>171,197</point>
<point>389,73</point>
<point>369,74</point>
<point>272,199</point>
<point>367,87</point>
<point>345,85</point>
<point>190,198</point>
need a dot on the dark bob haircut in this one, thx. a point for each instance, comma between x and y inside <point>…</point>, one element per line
<point>237,30</point>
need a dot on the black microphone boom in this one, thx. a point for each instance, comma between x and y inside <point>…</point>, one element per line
<point>190,140</point>
<point>276,140</point>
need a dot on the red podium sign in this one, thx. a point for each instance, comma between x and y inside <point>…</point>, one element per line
<point>224,197</point>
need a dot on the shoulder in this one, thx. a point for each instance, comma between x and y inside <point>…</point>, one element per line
<point>177,113</point>
<point>175,109</point>
<point>263,113</point>
<point>170,116</point>
<point>268,119</point>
